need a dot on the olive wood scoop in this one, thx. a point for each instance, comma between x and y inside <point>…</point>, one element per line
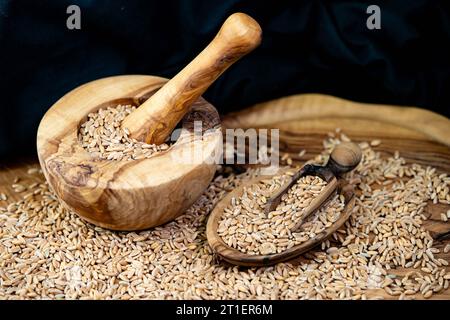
<point>139,194</point>
<point>344,158</point>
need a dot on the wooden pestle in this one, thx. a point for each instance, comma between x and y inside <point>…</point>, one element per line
<point>156,118</point>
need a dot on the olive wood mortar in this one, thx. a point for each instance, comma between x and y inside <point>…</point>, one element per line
<point>344,158</point>
<point>135,195</point>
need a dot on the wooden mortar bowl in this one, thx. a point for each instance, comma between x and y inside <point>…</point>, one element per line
<point>139,194</point>
<point>124,195</point>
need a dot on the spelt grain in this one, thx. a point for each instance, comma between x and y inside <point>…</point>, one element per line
<point>375,143</point>
<point>447,248</point>
<point>48,252</point>
<point>102,136</point>
<point>274,232</point>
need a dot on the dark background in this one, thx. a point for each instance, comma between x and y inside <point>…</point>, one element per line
<point>308,46</point>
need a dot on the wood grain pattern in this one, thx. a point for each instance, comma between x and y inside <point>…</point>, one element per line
<point>157,117</point>
<point>318,107</point>
<point>154,190</point>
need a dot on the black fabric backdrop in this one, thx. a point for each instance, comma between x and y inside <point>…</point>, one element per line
<point>308,46</point>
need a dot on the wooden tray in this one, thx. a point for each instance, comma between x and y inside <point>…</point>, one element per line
<point>304,121</point>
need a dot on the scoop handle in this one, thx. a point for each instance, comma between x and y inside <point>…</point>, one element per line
<point>156,118</point>
<point>344,158</point>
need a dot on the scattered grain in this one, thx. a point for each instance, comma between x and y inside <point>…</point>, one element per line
<point>33,171</point>
<point>375,143</point>
<point>302,153</point>
<point>47,252</point>
<point>447,248</point>
<point>102,136</point>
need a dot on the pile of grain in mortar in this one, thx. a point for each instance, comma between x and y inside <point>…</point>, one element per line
<point>245,226</point>
<point>48,252</point>
<point>102,136</point>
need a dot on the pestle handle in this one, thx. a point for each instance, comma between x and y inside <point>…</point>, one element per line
<point>156,118</point>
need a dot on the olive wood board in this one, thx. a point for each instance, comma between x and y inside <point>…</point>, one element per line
<point>305,120</point>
